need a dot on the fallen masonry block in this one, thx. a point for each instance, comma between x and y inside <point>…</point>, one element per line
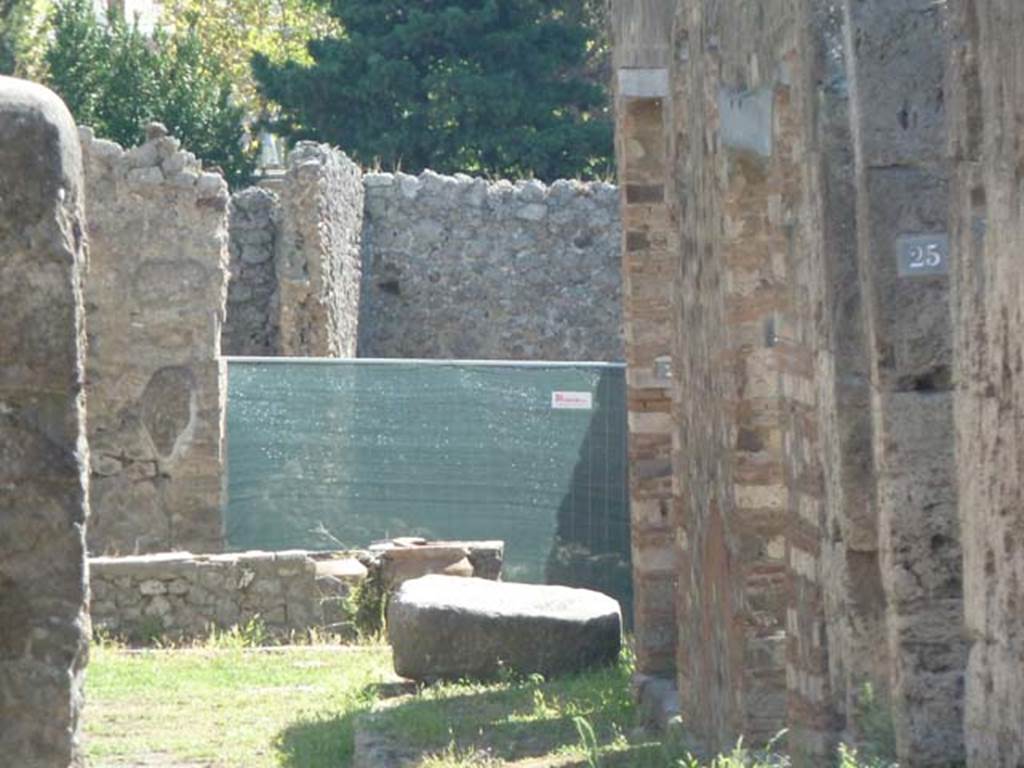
<point>445,627</point>
<point>406,558</point>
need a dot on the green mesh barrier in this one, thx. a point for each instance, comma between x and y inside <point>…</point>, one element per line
<point>324,454</point>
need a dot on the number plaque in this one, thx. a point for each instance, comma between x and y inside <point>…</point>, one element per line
<point>922,255</point>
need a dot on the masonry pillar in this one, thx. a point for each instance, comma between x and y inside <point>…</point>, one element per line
<point>896,55</point>
<point>318,259</point>
<point>853,599</point>
<point>44,625</point>
<point>986,90</point>
<point>642,91</point>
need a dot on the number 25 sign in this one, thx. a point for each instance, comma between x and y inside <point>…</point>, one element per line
<point>922,255</point>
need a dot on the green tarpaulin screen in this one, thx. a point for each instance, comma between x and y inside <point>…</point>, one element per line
<point>328,454</point>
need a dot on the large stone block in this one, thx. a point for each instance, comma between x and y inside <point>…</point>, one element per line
<point>448,627</point>
<point>44,625</point>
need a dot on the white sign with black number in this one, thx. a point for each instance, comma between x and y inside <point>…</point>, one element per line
<point>572,401</point>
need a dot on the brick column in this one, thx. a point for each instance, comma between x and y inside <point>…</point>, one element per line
<point>647,281</point>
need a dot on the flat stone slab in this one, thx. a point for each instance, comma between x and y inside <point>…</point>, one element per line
<point>446,627</point>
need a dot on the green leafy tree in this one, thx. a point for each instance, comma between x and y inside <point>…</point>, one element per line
<point>116,79</point>
<point>483,86</point>
<point>234,30</point>
<point>21,32</point>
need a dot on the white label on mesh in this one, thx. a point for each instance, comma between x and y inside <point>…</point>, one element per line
<point>576,401</point>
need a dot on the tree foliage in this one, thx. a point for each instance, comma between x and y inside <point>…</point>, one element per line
<point>21,32</point>
<point>482,86</point>
<point>116,79</point>
<point>235,30</point>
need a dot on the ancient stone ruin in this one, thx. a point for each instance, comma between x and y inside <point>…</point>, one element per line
<point>44,624</point>
<point>816,546</point>
<point>329,261</point>
<point>820,249</point>
<point>322,260</point>
<point>157,229</point>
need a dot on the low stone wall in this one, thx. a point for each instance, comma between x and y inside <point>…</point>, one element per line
<point>178,595</point>
<point>183,595</point>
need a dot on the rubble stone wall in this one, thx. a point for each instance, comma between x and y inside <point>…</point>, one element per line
<point>251,327</point>
<point>180,595</point>
<point>154,297</point>
<point>44,622</point>
<point>317,253</point>
<point>456,267</point>
<point>452,267</point>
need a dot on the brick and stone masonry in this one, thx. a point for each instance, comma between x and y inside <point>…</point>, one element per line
<point>44,624</point>
<point>817,538</point>
<point>647,268</point>
<point>154,301</point>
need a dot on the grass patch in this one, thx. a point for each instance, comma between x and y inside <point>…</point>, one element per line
<point>513,719</point>
<point>229,706</point>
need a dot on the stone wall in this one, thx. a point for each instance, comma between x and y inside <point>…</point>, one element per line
<point>456,267</point>
<point>452,267</point>
<point>986,89</point>
<point>44,623</point>
<point>320,226</point>
<point>154,297</point>
<point>251,327</point>
<point>178,595</point>
<point>814,497</point>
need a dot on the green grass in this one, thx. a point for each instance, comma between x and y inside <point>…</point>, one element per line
<point>228,705</point>
<point>232,706</point>
<point>512,720</point>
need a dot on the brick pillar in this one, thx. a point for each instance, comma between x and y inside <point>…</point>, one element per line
<point>647,282</point>
<point>641,55</point>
